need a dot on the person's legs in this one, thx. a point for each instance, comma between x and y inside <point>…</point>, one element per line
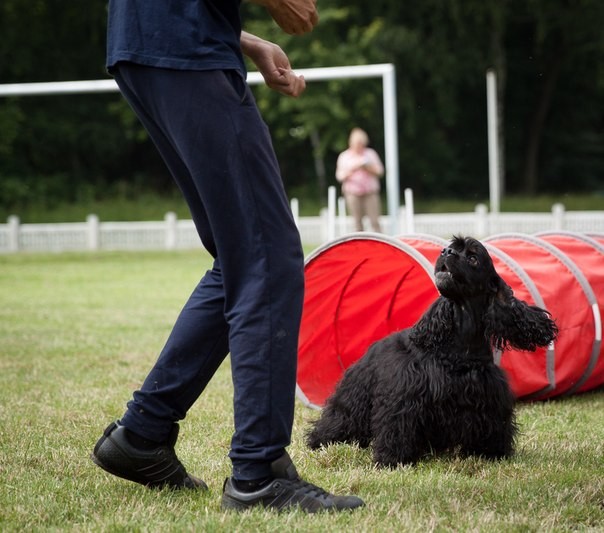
<point>208,129</point>
<point>373,210</point>
<point>198,342</point>
<point>209,119</point>
<point>355,207</point>
<point>193,352</point>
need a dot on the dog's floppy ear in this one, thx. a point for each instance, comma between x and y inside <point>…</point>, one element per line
<point>435,326</point>
<point>500,289</point>
<point>512,323</point>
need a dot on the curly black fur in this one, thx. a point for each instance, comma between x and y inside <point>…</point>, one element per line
<point>434,387</point>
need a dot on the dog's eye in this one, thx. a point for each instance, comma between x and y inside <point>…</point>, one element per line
<point>473,259</point>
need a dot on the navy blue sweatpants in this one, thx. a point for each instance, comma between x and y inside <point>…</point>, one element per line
<point>207,127</point>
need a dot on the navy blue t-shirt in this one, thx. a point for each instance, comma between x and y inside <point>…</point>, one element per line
<point>177,34</point>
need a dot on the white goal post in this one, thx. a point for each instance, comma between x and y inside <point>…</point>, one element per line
<point>385,71</point>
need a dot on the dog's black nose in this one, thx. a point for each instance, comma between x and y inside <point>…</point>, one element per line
<point>449,251</point>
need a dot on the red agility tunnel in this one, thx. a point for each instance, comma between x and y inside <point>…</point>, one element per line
<point>598,237</point>
<point>568,296</point>
<point>588,254</point>
<point>427,245</point>
<point>531,374</point>
<point>364,286</point>
<point>359,289</point>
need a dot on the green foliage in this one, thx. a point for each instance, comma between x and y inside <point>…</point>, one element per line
<point>547,55</point>
<point>130,201</point>
<point>325,108</point>
<point>11,119</point>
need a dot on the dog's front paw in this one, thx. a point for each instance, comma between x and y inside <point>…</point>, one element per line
<point>313,442</point>
<point>382,460</point>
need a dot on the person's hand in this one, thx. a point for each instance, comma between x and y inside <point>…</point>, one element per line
<point>293,16</point>
<point>277,72</point>
<point>273,64</point>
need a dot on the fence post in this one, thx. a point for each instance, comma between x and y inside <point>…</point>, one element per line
<point>13,233</point>
<point>402,221</point>
<point>324,224</point>
<point>482,220</point>
<point>342,216</point>
<point>94,230</point>
<point>331,213</point>
<point>170,219</point>
<point>409,211</point>
<point>558,216</point>
<point>295,207</point>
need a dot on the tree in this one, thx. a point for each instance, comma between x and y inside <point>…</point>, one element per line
<point>319,121</point>
<point>547,54</point>
<point>564,38</point>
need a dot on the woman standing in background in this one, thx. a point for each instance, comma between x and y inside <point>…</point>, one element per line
<point>359,169</point>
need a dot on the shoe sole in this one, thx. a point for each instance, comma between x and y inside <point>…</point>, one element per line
<point>281,501</point>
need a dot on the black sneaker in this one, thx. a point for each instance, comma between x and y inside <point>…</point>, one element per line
<point>287,491</point>
<point>157,467</point>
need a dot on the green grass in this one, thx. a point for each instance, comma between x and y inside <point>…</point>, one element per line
<point>78,332</point>
<point>152,206</point>
<point>542,203</point>
<point>120,208</point>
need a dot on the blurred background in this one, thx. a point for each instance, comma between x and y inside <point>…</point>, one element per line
<point>62,157</point>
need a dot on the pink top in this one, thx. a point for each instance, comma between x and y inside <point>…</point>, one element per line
<point>352,171</point>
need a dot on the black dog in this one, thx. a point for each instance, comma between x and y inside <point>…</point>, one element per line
<point>434,387</point>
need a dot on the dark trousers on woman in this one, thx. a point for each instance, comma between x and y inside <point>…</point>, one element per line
<point>208,130</point>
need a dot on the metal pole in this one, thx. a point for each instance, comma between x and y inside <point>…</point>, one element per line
<point>391,148</point>
<point>494,177</point>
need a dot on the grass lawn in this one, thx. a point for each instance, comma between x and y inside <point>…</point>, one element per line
<point>152,206</point>
<point>78,332</point>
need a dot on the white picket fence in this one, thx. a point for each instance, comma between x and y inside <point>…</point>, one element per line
<point>172,233</point>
